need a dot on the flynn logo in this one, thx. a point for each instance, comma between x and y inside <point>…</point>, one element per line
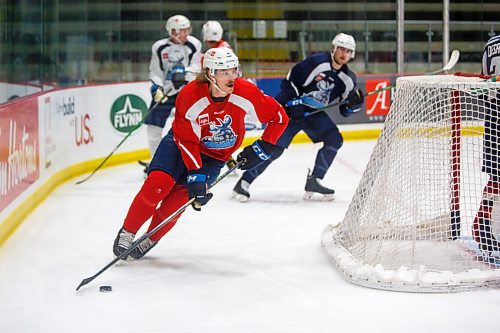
<point>127,113</point>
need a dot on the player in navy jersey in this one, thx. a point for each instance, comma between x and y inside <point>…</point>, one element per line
<point>313,83</point>
<point>175,60</point>
<point>486,227</point>
<point>209,125</point>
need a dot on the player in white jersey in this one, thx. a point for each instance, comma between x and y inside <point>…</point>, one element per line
<point>486,226</point>
<point>175,61</point>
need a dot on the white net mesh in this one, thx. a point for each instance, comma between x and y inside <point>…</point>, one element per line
<point>424,217</point>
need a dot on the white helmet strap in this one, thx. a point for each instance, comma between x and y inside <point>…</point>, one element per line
<point>214,82</point>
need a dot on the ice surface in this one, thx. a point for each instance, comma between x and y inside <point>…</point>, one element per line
<point>233,267</point>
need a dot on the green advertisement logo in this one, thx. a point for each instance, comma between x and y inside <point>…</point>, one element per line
<point>127,113</point>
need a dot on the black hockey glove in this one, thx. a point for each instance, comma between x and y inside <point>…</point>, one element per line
<point>254,154</point>
<point>178,76</point>
<point>198,189</point>
<point>295,111</point>
<point>355,100</point>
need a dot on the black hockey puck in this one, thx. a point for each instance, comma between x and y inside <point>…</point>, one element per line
<point>105,288</point>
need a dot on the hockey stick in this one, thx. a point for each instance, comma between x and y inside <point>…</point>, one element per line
<point>484,77</point>
<point>118,145</point>
<point>125,138</point>
<point>158,227</point>
<point>455,55</point>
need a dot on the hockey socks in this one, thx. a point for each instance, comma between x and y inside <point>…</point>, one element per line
<point>156,187</point>
<point>176,198</point>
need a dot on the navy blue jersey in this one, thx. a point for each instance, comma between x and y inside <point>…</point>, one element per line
<point>491,147</point>
<point>491,57</point>
<point>315,77</point>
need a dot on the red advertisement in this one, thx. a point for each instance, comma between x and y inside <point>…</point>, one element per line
<point>19,148</point>
<point>378,104</point>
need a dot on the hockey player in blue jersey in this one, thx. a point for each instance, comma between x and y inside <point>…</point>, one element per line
<point>317,81</point>
<point>486,226</point>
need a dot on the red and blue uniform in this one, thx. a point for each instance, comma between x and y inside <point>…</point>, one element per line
<point>205,132</point>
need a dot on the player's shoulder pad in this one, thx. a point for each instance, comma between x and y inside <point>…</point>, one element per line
<point>318,58</point>
<point>348,71</point>
<point>190,94</point>
<point>195,41</point>
<point>159,43</point>
<point>191,89</point>
<point>242,85</point>
<point>493,39</point>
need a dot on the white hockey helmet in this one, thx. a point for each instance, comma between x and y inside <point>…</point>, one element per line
<point>344,40</point>
<point>177,22</point>
<point>212,31</point>
<point>220,58</point>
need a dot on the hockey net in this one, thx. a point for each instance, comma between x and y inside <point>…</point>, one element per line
<point>409,226</point>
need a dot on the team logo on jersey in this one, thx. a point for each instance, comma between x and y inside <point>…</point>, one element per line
<point>222,135</point>
<point>127,112</point>
<point>320,77</point>
<point>203,119</point>
<point>322,95</point>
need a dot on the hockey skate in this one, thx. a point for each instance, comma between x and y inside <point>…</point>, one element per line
<point>122,243</point>
<point>315,191</point>
<point>240,191</point>
<point>144,247</point>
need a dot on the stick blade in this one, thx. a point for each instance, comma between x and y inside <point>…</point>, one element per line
<point>84,179</point>
<point>81,181</point>
<point>84,282</point>
<point>455,55</point>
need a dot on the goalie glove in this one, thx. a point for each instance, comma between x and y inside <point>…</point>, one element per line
<point>158,94</point>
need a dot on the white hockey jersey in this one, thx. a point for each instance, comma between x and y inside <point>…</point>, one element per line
<point>166,55</point>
